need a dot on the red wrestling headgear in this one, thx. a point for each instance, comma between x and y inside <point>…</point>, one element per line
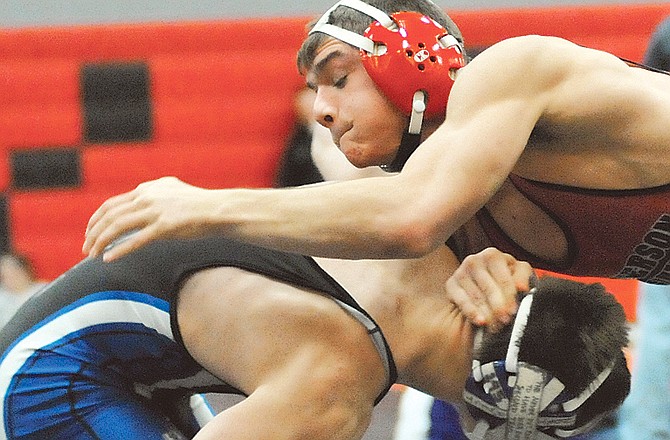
<point>404,53</point>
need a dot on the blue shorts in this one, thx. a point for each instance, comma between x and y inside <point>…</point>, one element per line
<point>102,367</point>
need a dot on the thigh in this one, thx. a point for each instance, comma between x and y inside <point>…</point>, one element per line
<point>114,415</point>
<point>128,419</point>
<point>77,402</point>
<point>86,371</point>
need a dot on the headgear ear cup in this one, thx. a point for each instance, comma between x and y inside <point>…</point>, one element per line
<point>417,56</point>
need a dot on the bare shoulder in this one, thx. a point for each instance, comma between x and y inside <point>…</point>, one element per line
<point>538,50</point>
<point>550,76</point>
<point>223,311</point>
<point>520,69</point>
<point>535,62</point>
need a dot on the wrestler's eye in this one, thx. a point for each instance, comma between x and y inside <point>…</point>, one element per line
<point>340,83</point>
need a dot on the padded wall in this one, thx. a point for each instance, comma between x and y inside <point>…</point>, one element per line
<point>623,30</point>
<point>89,112</point>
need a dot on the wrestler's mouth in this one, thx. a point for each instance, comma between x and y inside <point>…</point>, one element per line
<point>337,135</point>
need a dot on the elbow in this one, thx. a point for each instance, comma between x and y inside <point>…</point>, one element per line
<point>414,222</point>
<point>413,238</point>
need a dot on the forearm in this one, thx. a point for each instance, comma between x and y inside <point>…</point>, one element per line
<point>404,215</point>
<point>371,220</point>
<point>383,217</point>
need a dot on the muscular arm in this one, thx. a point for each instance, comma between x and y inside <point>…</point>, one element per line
<point>309,369</point>
<point>493,108</point>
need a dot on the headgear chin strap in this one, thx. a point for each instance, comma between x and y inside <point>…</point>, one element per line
<point>410,57</point>
<point>515,400</point>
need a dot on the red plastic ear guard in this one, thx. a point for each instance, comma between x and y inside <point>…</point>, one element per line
<point>418,55</point>
<point>405,54</point>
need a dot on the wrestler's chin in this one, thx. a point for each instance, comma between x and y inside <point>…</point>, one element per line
<point>362,155</point>
<point>355,156</point>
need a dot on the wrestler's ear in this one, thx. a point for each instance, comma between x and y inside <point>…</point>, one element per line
<point>610,395</point>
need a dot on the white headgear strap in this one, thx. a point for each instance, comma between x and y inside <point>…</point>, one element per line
<point>520,322</point>
<point>530,394</point>
<point>348,36</point>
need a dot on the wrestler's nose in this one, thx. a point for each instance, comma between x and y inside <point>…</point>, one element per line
<point>324,109</point>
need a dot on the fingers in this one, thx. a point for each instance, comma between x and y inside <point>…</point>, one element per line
<point>485,287</point>
<point>501,288</point>
<point>109,204</point>
<point>524,276</point>
<point>152,210</point>
<point>99,221</point>
<point>121,227</point>
<point>126,245</point>
<point>116,217</point>
<point>466,295</point>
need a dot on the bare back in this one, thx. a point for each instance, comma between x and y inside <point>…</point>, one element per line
<point>429,337</point>
<point>243,326</point>
<point>564,114</point>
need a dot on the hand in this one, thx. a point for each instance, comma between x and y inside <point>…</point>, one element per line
<point>159,208</point>
<point>485,287</point>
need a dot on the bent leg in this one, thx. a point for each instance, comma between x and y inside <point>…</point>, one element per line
<point>125,418</point>
<point>83,412</point>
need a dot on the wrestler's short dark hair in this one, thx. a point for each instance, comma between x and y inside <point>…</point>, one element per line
<point>356,21</point>
<point>574,331</point>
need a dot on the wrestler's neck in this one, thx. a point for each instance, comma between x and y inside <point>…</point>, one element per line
<point>437,359</point>
<point>429,337</point>
<point>429,126</point>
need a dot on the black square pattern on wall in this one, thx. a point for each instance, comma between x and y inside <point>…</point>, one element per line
<point>45,168</point>
<point>117,106</point>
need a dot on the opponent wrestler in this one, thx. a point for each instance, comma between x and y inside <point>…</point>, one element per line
<point>105,350</point>
<point>564,147</point>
